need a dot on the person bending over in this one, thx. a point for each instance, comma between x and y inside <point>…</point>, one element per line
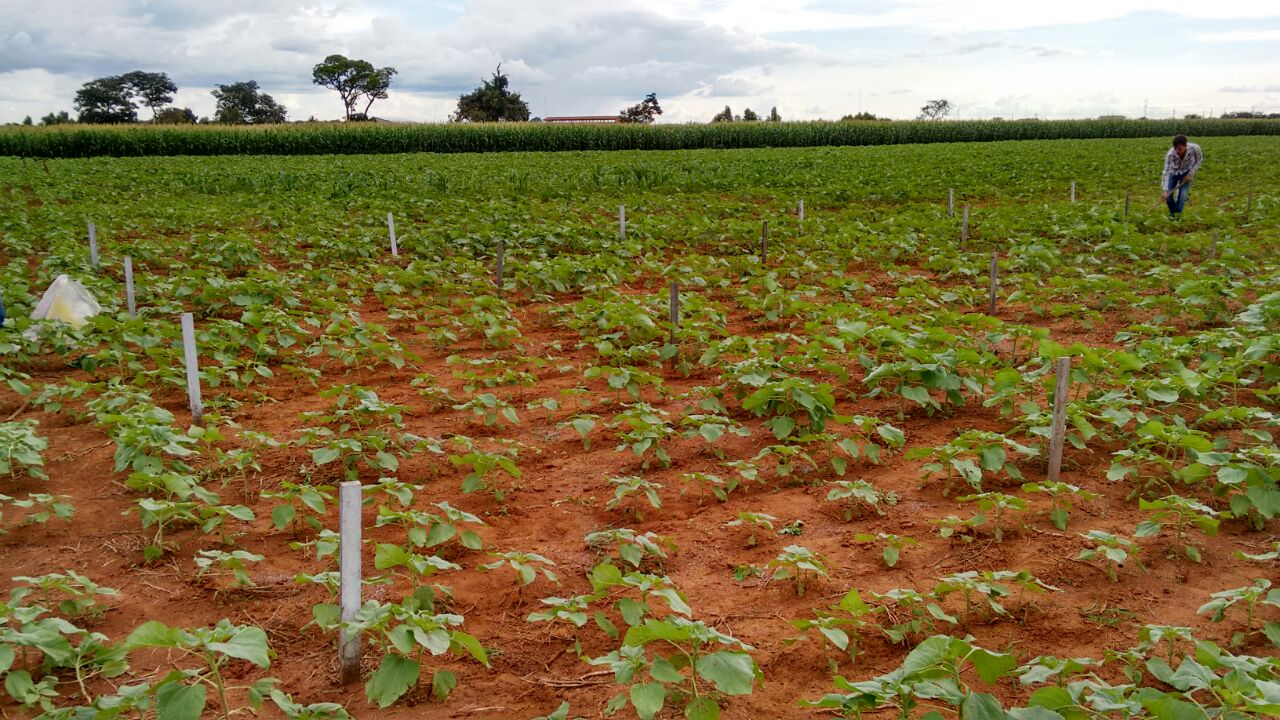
<point>1180,166</point>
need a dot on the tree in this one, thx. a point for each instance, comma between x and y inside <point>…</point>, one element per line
<point>154,90</point>
<point>355,80</point>
<point>861,116</point>
<point>105,100</point>
<point>492,102</point>
<point>749,115</point>
<point>27,121</point>
<point>241,104</point>
<point>725,115</point>
<point>643,112</point>
<point>935,110</point>
<point>61,118</point>
<point>773,115</point>
<point>175,116</point>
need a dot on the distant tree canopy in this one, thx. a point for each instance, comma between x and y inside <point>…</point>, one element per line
<point>175,116</point>
<point>241,104</point>
<point>749,115</point>
<point>61,118</point>
<point>355,81</point>
<point>645,111</point>
<point>773,115</point>
<point>493,101</point>
<point>935,110</point>
<point>861,116</point>
<point>725,115</point>
<point>112,99</point>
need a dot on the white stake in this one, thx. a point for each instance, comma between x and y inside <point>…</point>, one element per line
<point>964,223</point>
<point>991,295</point>
<point>802,211</point>
<point>1059,435</point>
<point>501,252</point>
<point>93,244</point>
<point>622,222</point>
<point>349,577</point>
<point>128,288</point>
<point>951,202</point>
<point>1073,191</point>
<point>675,310</point>
<point>391,228</point>
<point>1213,246</point>
<point>193,369</point>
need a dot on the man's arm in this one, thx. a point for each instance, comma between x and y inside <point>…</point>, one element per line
<point>1196,160</point>
<point>1168,171</point>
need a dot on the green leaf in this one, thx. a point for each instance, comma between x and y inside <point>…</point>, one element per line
<point>325,455</point>
<point>981,706</point>
<point>442,683</point>
<point>21,687</point>
<point>733,673</point>
<point>991,666</point>
<point>663,671</point>
<point>917,394</point>
<point>702,708</point>
<point>392,679</point>
<point>1272,631</point>
<point>648,699</point>
<point>890,556</point>
<point>1059,516</point>
<point>282,515</point>
<point>247,643</point>
<point>175,701</point>
<point>6,657</point>
<point>154,633</point>
<point>992,458</point>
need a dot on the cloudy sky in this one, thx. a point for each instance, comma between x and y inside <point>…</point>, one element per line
<point>809,58</point>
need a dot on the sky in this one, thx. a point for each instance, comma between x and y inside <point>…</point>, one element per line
<point>810,59</point>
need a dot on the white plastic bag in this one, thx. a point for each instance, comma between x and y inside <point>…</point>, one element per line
<point>68,301</point>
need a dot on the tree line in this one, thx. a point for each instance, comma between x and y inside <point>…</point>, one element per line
<point>117,99</point>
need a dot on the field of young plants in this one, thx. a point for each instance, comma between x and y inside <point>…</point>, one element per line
<point>823,492</point>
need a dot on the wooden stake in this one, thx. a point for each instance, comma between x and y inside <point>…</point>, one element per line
<point>349,577</point>
<point>128,288</point>
<point>964,223</point>
<point>93,244</point>
<point>391,229</point>
<point>764,242</point>
<point>675,310</point>
<point>1126,204</point>
<point>951,202</point>
<point>501,250</point>
<point>193,369</point>
<point>622,222</point>
<point>991,294</point>
<point>1059,435</point>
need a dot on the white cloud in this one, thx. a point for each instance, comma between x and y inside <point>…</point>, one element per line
<point>811,58</point>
